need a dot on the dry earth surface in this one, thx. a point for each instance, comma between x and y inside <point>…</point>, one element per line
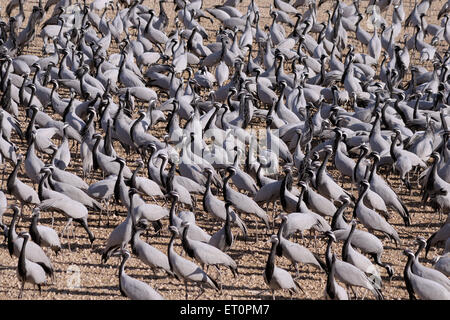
<point>100,281</point>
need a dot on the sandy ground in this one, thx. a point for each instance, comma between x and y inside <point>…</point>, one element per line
<point>80,275</point>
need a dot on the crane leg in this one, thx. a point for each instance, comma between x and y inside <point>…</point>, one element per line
<point>219,277</point>
<point>409,183</point>
<point>53,218</point>
<point>354,292</point>
<point>3,173</point>
<point>296,269</point>
<point>99,217</point>
<point>69,221</point>
<point>274,211</point>
<point>21,213</point>
<point>364,295</point>
<point>202,291</point>
<point>261,292</point>
<point>21,290</point>
<point>73,232</point>
<point>195,202</point>
<point>256,230</point>
<point>186,288</point>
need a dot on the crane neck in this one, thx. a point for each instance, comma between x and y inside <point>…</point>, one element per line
<point>12,235</point>
<point>300,198</point>
<point>328,254</point>
<point>392,149</point>
<point>185,242</point>
<point>21,267</point>
<point>360,199</point>
<point>225,186</point>
<point>31,125</point>
<point>358,162</point>
<point>348,243</point>
<point>419,250</point>
<point>284,184</point>
<point>171,252</point>
<point>338,217</point>
<point>374,170</point>
<point>34,230</point>
<point>121,272</point>
<point>330,281</point>
<point>161,173</point>
<point>133,127</point>
<point>228,233</point>
<point>170,177</point>
<point>13,176</point>
<point>323,166</point>
<point>279,249</point>
<point>270,265</point>
<point>407,276</point>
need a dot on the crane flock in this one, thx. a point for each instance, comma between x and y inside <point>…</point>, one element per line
<point>197,135</point>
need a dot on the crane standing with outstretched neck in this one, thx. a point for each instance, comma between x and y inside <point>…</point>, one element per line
<point>28,271</point>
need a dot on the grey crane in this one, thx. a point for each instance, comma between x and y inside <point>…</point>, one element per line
<point>33,164</point>
<point>187,270</point>
<point>188,184</point>
<point>316,202</point>
<point>350,255</point>
<point>148,254</point>
<point>133,288</point>
<point>442,263</point>
<point>144,185</point>
<point>333,290</point>
<point>241,179</point>
<point>151,212</point>
<point>29,271</point>
<point>275,277</point>
<point>372,200</point>
<point>122,234</point>
<point>43,235</point>
<point>121,190</point>
<point>22,192</point>
<point>343,163</point>
<point>428,273</point>
<point>194,232</point>
<point>242,202</point>
<point>103,189</point>
<point>3,207</point>
<point>365,241</point>
<point>216,207</point>
<point>404,161</point>
<point>33,252</point>
<point>67,177</point>
<point>295,252</point>
<point>379,186</point>
<point>105,162</point>
<point>206,254</point>
<point>73,192</point>
<point>154,35</point>
<point>325,184</point>
<point>348,273</point>
<point>426,289</point>
<point>73,210</point>
<point>223,239</point>
<point>169,184</point>
<point>372,220</point>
